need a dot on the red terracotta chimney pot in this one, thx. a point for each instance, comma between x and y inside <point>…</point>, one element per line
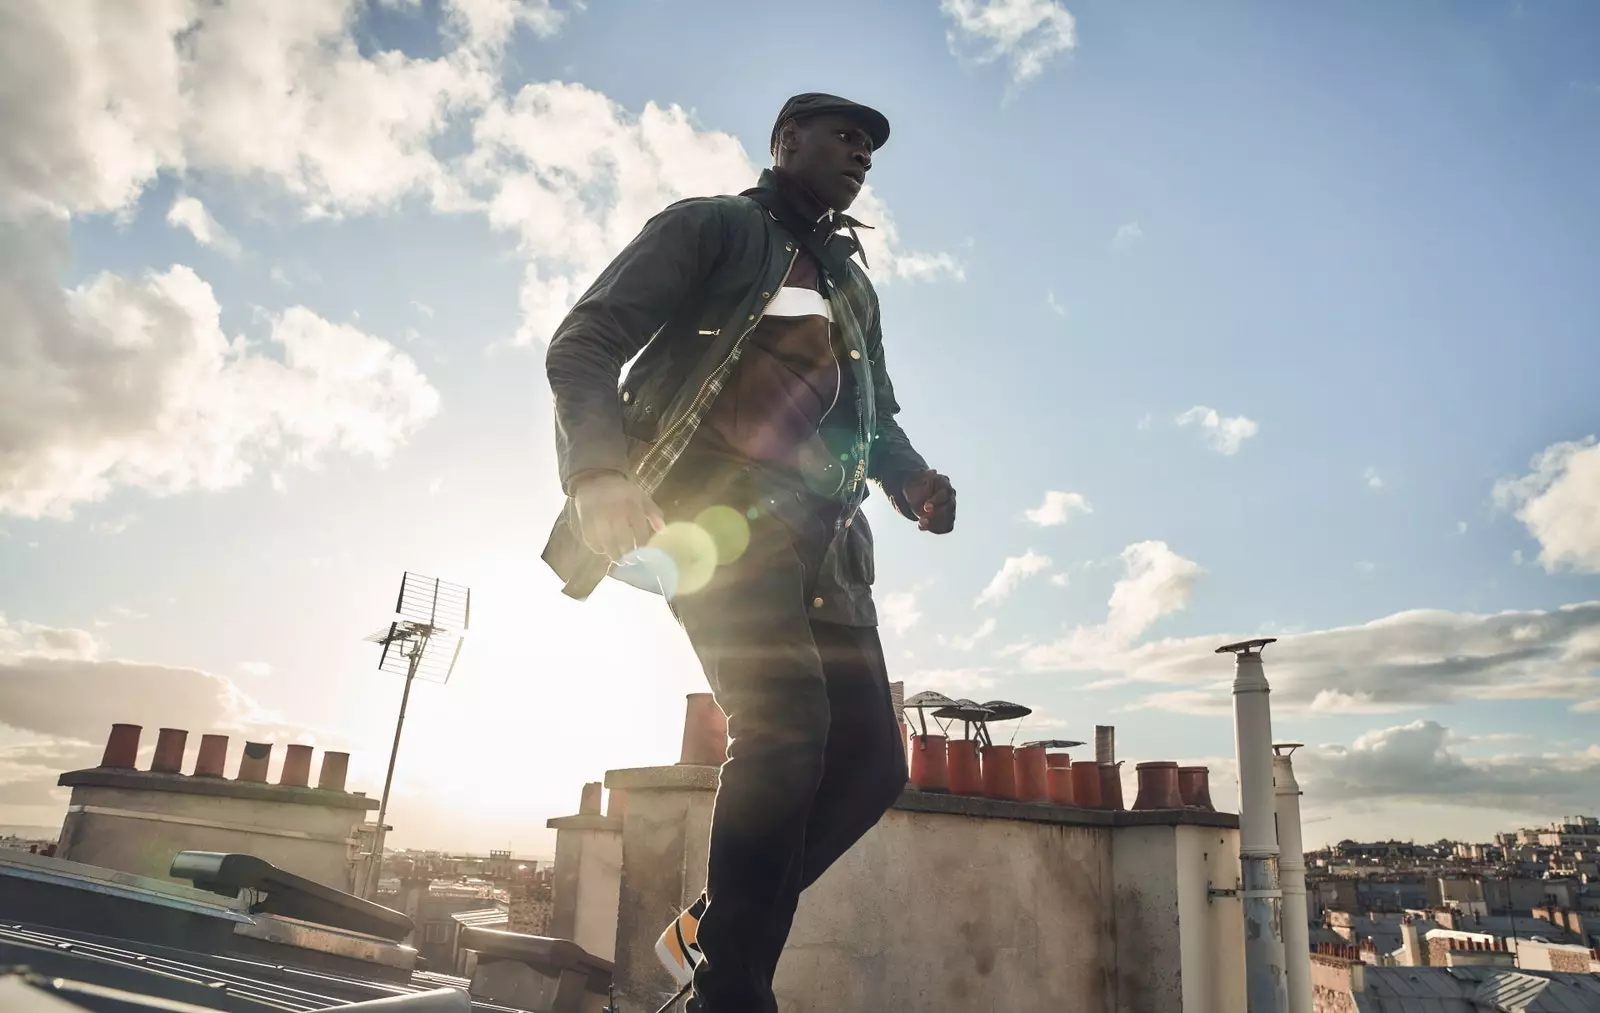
<point>296,771</point>
<point>335,768</point>
<point>169,751</point>
<point>122,747</point>
<point>1060,779</point>
<point>1086,785</point>
<point>1111,786</point>
<point>213,756</point>
<point>930,768</point>
<point>966,774</point>
<point>1158,786</point>
<point>1033,778</point>
<point>1000,772</point>
<point>253,764</point>
<point>1194,785</point>
<point>705,732</point>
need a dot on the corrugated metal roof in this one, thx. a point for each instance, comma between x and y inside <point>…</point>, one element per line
<point>1476,990</point>
<point>483,917</point>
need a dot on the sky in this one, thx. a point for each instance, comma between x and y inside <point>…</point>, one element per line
<point>1226,320</point>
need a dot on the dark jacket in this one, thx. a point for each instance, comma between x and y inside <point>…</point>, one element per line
<point>682,296</point>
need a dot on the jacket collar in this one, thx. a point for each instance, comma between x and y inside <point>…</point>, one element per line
<point>808,208</point>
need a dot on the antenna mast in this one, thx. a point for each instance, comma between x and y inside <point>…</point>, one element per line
<point>425,641</point>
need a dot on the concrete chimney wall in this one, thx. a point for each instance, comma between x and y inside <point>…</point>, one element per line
<point>335,767</point>
<point>310,833</point>
<point>169,751</point>
<point>296,771</point>
<point>589,800</point>
<point>1412,953</point>
<point>213,757</point>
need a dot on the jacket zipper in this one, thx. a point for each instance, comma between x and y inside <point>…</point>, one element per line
<point>733,352</point>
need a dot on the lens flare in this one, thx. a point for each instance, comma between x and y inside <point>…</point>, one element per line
<point>691,551</point>
<point>729,531</point>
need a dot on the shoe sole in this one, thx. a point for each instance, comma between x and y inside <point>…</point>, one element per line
<point>674,957</point>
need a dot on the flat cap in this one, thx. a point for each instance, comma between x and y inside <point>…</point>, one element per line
<point>815,103</point>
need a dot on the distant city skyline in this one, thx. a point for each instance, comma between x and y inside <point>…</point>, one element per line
<point>1267,320</point>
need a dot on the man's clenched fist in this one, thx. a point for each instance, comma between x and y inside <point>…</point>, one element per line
<point>933,498</point>
<point>615,515</point>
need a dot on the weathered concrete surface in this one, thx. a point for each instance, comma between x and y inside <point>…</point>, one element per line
<point>588,880</point>
<point>955,905</point>
<point>137,822</point>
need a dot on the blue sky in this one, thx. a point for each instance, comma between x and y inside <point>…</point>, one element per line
<point>282,315</point>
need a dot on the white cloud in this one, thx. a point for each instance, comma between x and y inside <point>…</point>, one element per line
<point>1559,503</point>
<point>112,526</point>
<point>1060,579</point>
<point>1461,527</point>
<point>984,631</point>
<point>1224,433</point>
<point>1146,421</point>
<point>1418,762</point>
<point>1058,508</point>
<point>1025,33</point>
<point>422,307</point>
<point>97,99</point>
<point>133,382</point>
<point>1128,236</point>
<point>1054,305</point>
<point>189,214</point>
<point>576,176</point>
<point>899,611</point>
<point>1012,573</point>
<point>1410,660</point>
<point>1372,478</point>
<point>255,669</point>
<point>1156,582</point>
<point>956,682</point>
<point>1366,566</point>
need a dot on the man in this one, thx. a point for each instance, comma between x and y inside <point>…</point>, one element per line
<point>760,389</point>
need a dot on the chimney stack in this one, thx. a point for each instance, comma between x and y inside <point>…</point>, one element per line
<point>122,747</point>
<point>335,767</point>
<point>1266,984</point>
<point>589,801</point>
<point>1292,877</point>
<point>213,757</point>
<point>169,751</point>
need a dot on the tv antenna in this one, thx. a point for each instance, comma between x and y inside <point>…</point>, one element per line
<point>424,642</point>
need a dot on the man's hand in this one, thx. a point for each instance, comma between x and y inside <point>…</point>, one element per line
<point>615,516</point>
<point>933,498</point>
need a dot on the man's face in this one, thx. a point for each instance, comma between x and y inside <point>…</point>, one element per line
<point>831,154</point>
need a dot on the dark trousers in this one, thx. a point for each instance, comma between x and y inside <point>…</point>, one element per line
<point>814,754</point>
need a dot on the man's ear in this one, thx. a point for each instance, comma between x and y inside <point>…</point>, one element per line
<point>789,136</point>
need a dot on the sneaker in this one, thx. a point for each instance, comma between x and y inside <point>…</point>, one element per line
<point>678,949</point>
